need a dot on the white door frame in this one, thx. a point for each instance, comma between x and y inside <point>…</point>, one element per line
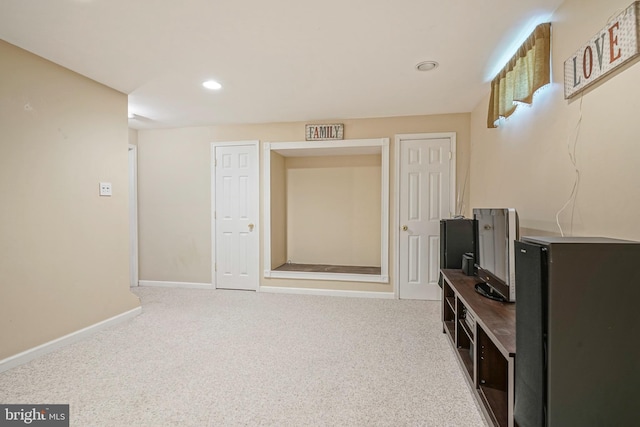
<point>346,147</point>
<point>133,215</point>
<point>214,145</point>
<point>399,139</point>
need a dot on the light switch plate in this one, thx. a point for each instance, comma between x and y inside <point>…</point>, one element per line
<point>105,189</point>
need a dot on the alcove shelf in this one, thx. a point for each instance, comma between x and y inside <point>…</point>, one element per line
<point>372,157</point>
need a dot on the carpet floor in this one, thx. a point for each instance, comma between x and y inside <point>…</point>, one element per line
<point>231,358</point>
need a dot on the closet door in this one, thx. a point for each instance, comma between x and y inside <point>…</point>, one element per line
<point>425,184</point>
<point>236,251</point>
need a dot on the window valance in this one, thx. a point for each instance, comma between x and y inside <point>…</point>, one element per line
<point>527,71</point>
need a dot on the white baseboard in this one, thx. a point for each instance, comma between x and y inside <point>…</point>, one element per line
<point>35,352</point>
<point>326,292</point>
<point>184,285</point>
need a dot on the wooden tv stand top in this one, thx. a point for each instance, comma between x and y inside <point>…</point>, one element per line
<point>497,319</point>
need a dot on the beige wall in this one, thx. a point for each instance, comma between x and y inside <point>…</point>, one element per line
<point>175,197</point>
<point>278,210</point>
<point>334,210</point>
<point>64,262</point>
<point>525,162</point>
<point>133,137</point>
<point>174,205</point>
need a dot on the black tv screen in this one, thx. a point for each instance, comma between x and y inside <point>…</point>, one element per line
<point>496,230</point>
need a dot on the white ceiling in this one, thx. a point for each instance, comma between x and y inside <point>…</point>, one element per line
<point>278,60</point>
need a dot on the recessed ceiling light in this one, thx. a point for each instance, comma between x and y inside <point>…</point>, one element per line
<point>212,84</point>
<point>426,65</point>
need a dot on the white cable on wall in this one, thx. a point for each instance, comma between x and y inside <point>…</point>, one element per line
<point>576,183</point>
<point>572,157</point>
<point>459,213</point>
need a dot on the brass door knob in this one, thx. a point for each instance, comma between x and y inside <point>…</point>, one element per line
<point>405,228</point>
<point>251,227</point>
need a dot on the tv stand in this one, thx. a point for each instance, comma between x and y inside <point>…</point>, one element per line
<point>487,291</point>
<point>483,334</point>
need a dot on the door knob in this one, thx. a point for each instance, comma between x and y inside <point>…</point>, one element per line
<point>405,228</point>
<point>251,227</point>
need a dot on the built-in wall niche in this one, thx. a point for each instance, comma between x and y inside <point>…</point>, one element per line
<point>326,210</point>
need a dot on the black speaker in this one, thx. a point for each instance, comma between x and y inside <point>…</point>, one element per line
<point>530,385</point>
<point>468,264</point>
<point>576,360</point>
<point>456,239</point>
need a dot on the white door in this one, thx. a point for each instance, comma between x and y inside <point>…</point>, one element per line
<point>425,175</point>
<point>236,257</point>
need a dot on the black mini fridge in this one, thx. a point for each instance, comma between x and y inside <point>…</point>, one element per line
<point>577,321</point>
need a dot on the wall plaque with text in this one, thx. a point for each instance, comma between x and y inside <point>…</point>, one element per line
<point>324,132</point>
<point>613,46</point>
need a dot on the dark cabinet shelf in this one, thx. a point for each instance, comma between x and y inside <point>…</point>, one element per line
<point>467,361</point>
<point>451,301</point>
<point>451,327</point>
<point>483,333</point>
<point>466,329</point>
<point>496,402</point>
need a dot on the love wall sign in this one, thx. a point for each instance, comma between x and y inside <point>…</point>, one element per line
<point>613,46</point>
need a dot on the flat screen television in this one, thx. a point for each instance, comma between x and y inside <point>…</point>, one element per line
<point>496,230</point>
